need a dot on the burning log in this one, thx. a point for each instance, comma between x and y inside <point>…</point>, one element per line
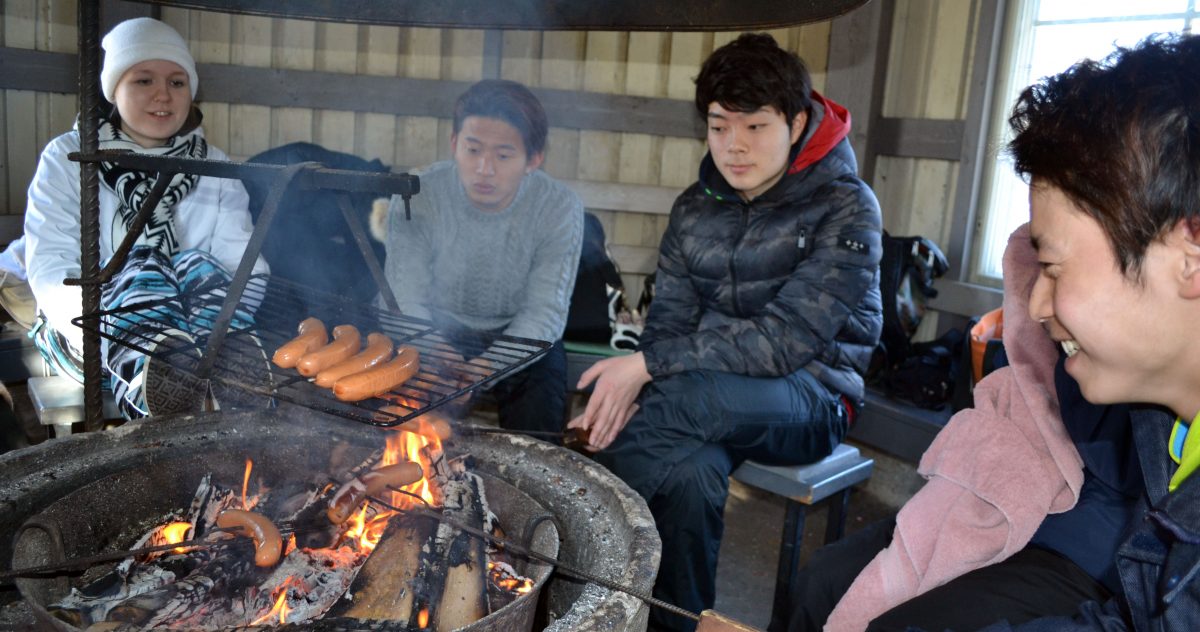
<point>383,588</point>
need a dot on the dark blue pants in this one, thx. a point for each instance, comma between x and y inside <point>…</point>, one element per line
<point>535,398</point>
<point>692,431</point>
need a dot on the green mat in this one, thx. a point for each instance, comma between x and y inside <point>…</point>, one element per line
<point>593,348</point>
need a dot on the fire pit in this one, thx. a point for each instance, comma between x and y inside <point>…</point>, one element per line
<point>114,481</point>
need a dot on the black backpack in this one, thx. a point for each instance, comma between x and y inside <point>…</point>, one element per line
<point>587,319</point>
<point>906,274</point>
<point>309,242</point>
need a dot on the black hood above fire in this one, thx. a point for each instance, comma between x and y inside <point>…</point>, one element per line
<point>618,15</point>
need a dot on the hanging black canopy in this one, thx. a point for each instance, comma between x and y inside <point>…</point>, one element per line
<point>594,15</point>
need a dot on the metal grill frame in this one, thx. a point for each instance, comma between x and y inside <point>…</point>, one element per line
<point>454,364</point>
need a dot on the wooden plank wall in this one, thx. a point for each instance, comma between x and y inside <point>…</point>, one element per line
<point>928,61</point>
<point>931,54</point>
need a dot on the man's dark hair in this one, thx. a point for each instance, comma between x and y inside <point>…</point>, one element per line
<point>1120,138</point>
<point>752,72</point>
<point>507,101</point>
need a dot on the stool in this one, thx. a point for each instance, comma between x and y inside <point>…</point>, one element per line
<point>803,486</point>
<point>58,401</point>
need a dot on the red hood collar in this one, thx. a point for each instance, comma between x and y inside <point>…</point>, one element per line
<point>834,126</point>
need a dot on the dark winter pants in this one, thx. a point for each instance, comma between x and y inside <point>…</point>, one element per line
<point>1032,583</point>
<point>692,430</point>
<point>535,398</point>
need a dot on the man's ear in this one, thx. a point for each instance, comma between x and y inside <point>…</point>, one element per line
<point>534,162</point>
<point>1187,236</point>
<point>453,141</point>
<point>798,124</point>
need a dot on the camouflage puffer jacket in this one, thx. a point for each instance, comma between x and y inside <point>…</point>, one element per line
<point>789,280</point>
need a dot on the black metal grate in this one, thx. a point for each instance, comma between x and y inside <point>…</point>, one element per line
<point>453,363</point>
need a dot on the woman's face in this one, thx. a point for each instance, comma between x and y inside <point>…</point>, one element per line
<point>1121,332</point>
<point>153,98</point>
<point>492,160</point>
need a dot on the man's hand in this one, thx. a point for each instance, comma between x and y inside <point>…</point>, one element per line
<point>618,381</point>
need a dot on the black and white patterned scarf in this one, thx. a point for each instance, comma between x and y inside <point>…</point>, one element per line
<point>132,187</point>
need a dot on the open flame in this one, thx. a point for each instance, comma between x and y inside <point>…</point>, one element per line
<point>246,483</point>
<point>423,618</point>
<point>281,608</point>
<point>505,577</point>
<point>416,447</point>
<point>368,523</point>
<point>174,533</point>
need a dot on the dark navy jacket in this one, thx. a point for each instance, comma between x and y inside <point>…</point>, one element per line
<point>1159,561</point>
<point>784,282</point>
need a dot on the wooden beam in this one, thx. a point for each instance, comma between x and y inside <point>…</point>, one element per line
<point>975,133</point>
<point>244,85</point>
<point>858,54</point>
<point>634,198</point>
<point>918,138</point>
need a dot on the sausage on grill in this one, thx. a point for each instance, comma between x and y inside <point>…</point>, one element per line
<point>379,348</point>
<point>312,337</point>
<point>379,380</point>
<point>346,341</point>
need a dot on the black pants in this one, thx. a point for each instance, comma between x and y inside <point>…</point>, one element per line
<point>1031,584</point>
<point>535,398</point>
<point>692,430</point>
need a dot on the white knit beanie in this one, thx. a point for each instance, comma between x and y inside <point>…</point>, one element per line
<point>141,39</point>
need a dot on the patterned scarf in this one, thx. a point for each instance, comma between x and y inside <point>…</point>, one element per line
<point>132,187</point>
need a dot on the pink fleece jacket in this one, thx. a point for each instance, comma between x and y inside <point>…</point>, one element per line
<point>993,473</point>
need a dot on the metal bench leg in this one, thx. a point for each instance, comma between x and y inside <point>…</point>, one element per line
<point>789,564</point>
<point>836,524</point>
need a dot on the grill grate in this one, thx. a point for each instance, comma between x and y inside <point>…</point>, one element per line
<point>453,363</point>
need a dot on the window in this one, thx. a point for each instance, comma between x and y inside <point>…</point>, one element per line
<point>1042,38</point>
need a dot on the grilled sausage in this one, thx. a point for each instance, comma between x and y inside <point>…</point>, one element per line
<point>350,495</point>
<point>379,348</point>
<point>346,341</point>
<point>267,542</point>
<point>312,337</point>
<point>379,380</point>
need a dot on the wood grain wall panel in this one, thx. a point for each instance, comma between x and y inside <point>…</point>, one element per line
<point>422,53</point>
<point>378,139</point>
<point>21,146</point>
<point>812,44</point>
<point>688,51</point>
<point>645,66</point>
<point>337,47</point>
<point>382,53</point>
<point>638,158</point>
<point>562,60</point>
<point>251,41</point>
<point>599,155</point>
<point>61,30</point>
<point>521,53</point>
<point>5,159</point>
<point>217,124</point>
<point>20,23</point>
<point>291,125</point>
<point>334,130</point>
<point>562,153</point>
<point>417,141</point>
<point>252,134</point>
<point>463,55</point>
<point>914,194</point>
<point>680,159</point>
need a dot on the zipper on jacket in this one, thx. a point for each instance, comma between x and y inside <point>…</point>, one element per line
<point>733,277</point>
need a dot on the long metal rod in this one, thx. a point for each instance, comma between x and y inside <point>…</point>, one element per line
<point>80,563</point>
<point>520,550</point>
<point>89,206</point>
<point>131,236</point>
